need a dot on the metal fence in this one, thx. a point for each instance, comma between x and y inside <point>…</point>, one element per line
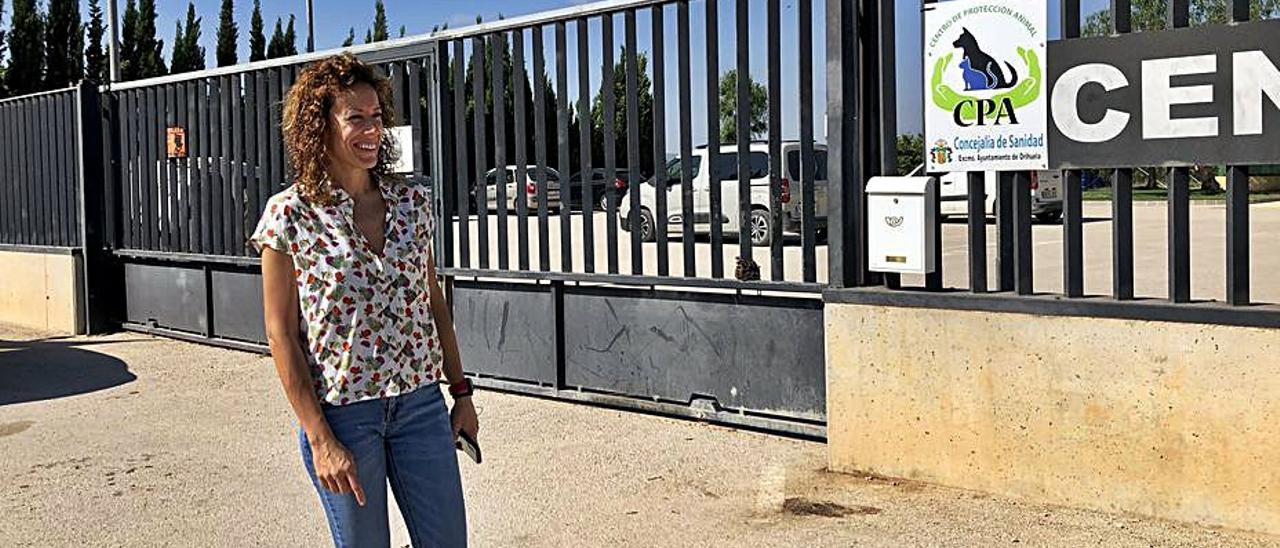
<point>1015,288</point>
<point>40,161</point>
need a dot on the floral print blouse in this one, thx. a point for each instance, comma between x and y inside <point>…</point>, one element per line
<point>368,330</point>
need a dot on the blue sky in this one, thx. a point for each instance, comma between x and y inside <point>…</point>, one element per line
<point>334,17</point>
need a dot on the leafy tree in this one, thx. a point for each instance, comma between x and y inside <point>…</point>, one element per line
<point>257,40</point>
<point>26,53</point>
<point>97,67</point>
<point>759,98</point>
<point>910,152</point>
<point>64,45</point>
<point>228,35</point>
<point>644,98</point>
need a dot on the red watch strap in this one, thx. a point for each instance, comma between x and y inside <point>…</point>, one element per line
<point>461,388</point>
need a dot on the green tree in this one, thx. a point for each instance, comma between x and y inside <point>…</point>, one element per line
<point>128,55</point>
<point>402,31</point>
<point>3,50</point>
<point>64,45</point>
<point>26,51</point>
<point>759,98</point>
<point>368,36</point>
<point>1151,15</point>
<point>228,35</point>
<point>187,54</point>
<point>290,39</point>
<point>276,48</point>
<point>150,60</point>
<point>379,22</point>
<point>97,67</point>
<point>644,97</point>
<point>351,37</point>
<point>257,40</point>
<point>910,152</point>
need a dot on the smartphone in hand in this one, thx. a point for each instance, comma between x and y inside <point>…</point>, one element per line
<point>468,445</point>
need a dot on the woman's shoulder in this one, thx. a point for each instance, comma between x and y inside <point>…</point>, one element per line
<point>286,202</point>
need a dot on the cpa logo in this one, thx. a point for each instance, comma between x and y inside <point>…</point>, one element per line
<point>994,89</point>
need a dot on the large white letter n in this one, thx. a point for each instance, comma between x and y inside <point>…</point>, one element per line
<point>1253,76</point>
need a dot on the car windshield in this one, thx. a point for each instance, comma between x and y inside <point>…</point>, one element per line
<point>673,169</point>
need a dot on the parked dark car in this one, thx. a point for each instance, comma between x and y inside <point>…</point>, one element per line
<point>602,188</point>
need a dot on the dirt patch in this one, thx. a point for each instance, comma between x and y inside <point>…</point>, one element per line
<point>11,428</point>
<point>805,507</point>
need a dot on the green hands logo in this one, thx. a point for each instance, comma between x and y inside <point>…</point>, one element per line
<point>970,110</point>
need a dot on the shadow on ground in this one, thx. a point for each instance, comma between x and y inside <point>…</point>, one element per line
<point>47,369</point>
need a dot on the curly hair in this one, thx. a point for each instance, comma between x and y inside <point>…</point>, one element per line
<point>307,123</point>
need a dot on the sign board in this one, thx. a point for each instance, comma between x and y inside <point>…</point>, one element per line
<point>986,106</point>
<point>403,136</point>
<point>1200,96</point>
<point>176,142</point>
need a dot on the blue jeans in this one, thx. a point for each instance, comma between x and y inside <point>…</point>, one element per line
<point>408,440</point>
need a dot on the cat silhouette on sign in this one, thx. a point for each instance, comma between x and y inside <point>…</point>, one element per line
<point>981,70</point>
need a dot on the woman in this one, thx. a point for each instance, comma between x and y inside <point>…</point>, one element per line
<point>359,329</point>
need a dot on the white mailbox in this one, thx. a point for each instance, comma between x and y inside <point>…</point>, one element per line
<point>901,215</point>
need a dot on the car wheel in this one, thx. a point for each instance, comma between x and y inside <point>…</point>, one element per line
<point>648,230</point>
<point>761,228</point>
<point>1050,217</point>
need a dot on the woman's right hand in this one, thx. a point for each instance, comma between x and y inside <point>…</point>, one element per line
<point>336,468</point>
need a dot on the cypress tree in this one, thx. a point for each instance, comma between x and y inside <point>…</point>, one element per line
<point>228,35</point>
<point>97,67</point>
<point>380,22</point>
<point>257,40</point>
<point>26,52</point>
<point>64,45</point>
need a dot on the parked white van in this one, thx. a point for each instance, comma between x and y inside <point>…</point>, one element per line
<point>726,170</point>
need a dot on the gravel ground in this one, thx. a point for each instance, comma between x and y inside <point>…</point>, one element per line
<point>130,440</point>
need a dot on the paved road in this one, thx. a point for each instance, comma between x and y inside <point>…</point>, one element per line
<point>1208,249</point>
<point>129,440</point>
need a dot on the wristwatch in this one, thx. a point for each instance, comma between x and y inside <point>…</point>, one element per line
<point>461,389</point>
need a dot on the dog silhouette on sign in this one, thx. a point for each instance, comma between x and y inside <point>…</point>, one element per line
<point>981,70</point>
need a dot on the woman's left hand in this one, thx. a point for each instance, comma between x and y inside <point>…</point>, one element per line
<point>463,417</point>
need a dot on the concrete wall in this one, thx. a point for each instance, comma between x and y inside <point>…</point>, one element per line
<point>41,291</point>
<point>1179,421</point>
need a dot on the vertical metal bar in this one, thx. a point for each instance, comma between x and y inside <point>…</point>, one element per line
<point>562,147</point>
<point>171,165</point>
<point>186,119</point>
<point>287,77</point>
<point>585,122</point>
<point>497,44</point>
<point>237,169</point>
<point>808,218</point>
<point>6,167</point>
<point>743,126</point>
<point>774,47</point>
<point>1238,235</point>
<point>520,93</point>
<point>204,94</point>
<point>607,91</point>
<point>1072,235</point>
<point>31,153</point>
<point>1179,13</point>
<point>481,140</point>
<point>252,178</point>
<point>713,139</point>
<point>195,146</point>
<point>132,165</point>
<point>977,231</point>
<point>657,62</point>
<point>278,159</point>
<point>685,80</point>
<point>177,103</point>
<point>634,165</point>
<point>1238,211</point>
<point>1070,19</point>
<point>1022,233</point>
<point>460,144</point>
<point>1122,234</point>
<point>266,186</point>
<point>64,134</point>
<point>847,246</point>
<point>216,164</point>
<point>23,134</point>
<point>55,172</point>
<point>540,145</point>
<point>414,115</point>
<point>227,213</point>
<point>1121,16</point>
<point>933,280</point>
<point>1179,235</point>
<point>46,176</point>
<point>153,148</point>
<point>1005,229</point>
